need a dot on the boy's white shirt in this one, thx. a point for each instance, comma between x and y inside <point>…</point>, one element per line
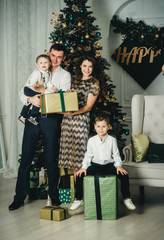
<point>60,78</point>
<point>35,77</point>
<point>102,152</point>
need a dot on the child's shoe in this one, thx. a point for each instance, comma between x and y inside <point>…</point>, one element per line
<point>76,204</point>
<point>129,204</point>
<point>33,120</point>
<point>22,119</point>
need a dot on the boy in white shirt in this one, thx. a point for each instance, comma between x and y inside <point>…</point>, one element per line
<point>102,158</point>
<point>41,75</point>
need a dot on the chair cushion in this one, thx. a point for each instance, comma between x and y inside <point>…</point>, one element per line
<point>140,145</point>
<point>156,153</point>
<point>144,170</point>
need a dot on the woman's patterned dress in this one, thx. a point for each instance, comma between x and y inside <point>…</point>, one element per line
<point>75,129</point>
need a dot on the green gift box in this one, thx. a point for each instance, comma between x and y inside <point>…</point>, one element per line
<point>67,195</point>
<point>34,179</point>
<point>100,197</point>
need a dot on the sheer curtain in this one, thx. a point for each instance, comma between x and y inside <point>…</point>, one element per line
<point>25,29</point>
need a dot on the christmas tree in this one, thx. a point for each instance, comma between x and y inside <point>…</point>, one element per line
<point>74,28</point>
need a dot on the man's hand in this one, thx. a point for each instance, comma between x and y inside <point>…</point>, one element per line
<point>121,170</point>
<point>35,100</point>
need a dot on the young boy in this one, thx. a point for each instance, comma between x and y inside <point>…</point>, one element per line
<point>41,75</point>
<point>102,158</point>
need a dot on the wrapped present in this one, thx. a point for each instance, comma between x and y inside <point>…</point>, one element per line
<point>34,179</point>
<point>54,213</point>
<point>100,197</point>
<point>59,102</point>
<point>67,189</point>
<point>37,193</point>
<point>65,171</point>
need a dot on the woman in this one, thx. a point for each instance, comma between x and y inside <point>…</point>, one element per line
<point>75,125</point>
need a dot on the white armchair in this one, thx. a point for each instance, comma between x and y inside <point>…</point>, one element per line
<point>147,118</point>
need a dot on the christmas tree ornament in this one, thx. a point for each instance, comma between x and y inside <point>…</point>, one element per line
<point>64,25</point>
<point>122,38</point>
<point>79,48</point>
<point>98,53</point>
<point>87,48</point>
<point>127,132</point>
<point>156,35</point>
<point>72,50</point>
<point>75,8</point>
<point>98,34</point>
<point>79,24</point>
<point>93,33</point>
<point>87,36</point>
<point>142,36</point>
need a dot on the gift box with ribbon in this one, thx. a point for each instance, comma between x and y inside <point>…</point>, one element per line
<point>54,213</point>
<point>66,189</point>
<point>34,179</point>
<point>59,102</point>
<point>100,197</point>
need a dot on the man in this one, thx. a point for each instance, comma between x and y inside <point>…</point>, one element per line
<point>49,127</point>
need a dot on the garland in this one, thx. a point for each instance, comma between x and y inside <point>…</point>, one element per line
<point>151,36</point>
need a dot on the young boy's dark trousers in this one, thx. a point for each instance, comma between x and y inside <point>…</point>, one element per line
<point>25,110</point>
<point>107,169</point>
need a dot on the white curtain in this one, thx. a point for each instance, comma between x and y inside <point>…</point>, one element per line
<point>25,29</point>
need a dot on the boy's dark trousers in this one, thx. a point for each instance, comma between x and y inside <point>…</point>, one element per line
<point>107,169</point>
<point>25,110</point>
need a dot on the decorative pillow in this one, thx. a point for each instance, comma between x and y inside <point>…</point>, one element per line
<point>140,146</point>
<point>156,153</point>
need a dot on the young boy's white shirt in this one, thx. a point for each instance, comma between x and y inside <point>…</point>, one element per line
<point>102,152</point>
<point>35,77</point>
<point>60,78</point>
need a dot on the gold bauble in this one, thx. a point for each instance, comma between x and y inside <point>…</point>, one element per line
<point>87,36</point>
<point>72,50</point>
<point>122,38</point>
<point>64,25</point>
<point>124,118</point>
<point>79,48</point>
<point>156,35</point>
<point>142,36</point>
<point>79,24</point>
<point>105,104</point>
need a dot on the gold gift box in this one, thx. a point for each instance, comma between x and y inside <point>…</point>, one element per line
<point>59,102</point>
<point>54,213</point>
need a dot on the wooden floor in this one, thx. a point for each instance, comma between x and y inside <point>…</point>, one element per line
<point>146,222</point>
